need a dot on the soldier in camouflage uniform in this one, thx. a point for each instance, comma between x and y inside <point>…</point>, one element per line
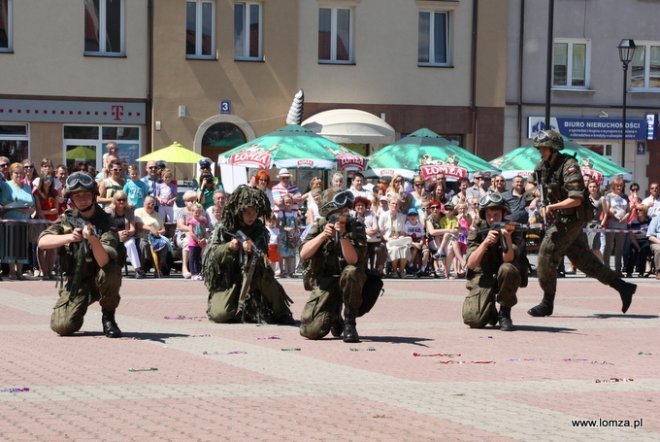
<point>226,257</point>
<point>491,270</point>
<point>336,253</point>
<point>90,254</point>
<point>564,190</point>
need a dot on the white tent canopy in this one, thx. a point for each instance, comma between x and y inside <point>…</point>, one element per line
<point>350,126</point>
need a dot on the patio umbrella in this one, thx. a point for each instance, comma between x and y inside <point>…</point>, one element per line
<point>174,153</point>
<point>293,146</point>
<point>427,153</point>
<point>81,153</point>
<point>522,160</point>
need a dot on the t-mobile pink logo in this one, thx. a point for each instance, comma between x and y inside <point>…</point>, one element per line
<point>117,111</point>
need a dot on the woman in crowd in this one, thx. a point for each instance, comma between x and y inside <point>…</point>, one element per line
<point>435,235</point>
<point>438,192</point>
<point>289,236</point>
<point>262,182</point>
<point>151,230</point>
<point>391,225</point>
<point>397,188</point>
<point>30,173</point>
<point>113,183</point>
<point>18,203</point>
<point>376,251</point>
<point>616,212</point>
<point>596,240</point>
<point>123,219</point>
<point>418,193</point>
<point>337,181</point>
<point>48,208</point>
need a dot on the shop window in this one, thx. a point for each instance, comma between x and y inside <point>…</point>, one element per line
<point>14,142</point>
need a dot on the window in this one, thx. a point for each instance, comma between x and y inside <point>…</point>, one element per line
<point>104,27</point>
<point>434,32</point>
<point>5,25</point>
<point>14,142</point>
<point>87,143</point>
<point>335,35</point>
<point>200,29</point>
<point>645,71</point>
<point>247,31</point>
<point>570,65</point>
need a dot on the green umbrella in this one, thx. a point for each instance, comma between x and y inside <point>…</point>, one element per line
<point>522,160</point>
<point>426,152</point>
<point>293,146</point>
<point>81,153</point>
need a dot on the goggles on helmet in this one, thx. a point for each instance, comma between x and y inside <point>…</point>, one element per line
<point>80,180</point>
<point>341,200</point>
<point>491,198</point>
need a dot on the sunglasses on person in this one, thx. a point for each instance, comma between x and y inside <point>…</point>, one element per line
<point>28,167</point>
<point>152,167</point>
<point>419,184</point>
<point>4,165</point>
<point>121,200</point>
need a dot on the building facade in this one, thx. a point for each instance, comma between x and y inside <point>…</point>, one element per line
<point>587,77</point>
<point>73,74</point>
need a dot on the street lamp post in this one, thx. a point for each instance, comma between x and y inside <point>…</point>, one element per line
<point>626,51</point>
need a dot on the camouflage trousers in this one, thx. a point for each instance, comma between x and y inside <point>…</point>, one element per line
<point>567,238</point>
<point>68,314</point>
<point>223,304</point>
<point>328,295</point>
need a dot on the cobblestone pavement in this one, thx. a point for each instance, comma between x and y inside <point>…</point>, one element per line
<point>418,374</point>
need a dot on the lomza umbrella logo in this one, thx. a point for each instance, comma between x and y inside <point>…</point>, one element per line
<point>256,155</point>
<point>430,167</point>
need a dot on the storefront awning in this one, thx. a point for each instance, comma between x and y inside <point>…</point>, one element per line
<point>350,126</point>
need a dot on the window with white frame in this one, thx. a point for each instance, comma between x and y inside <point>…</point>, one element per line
<point>14,141</point>
<point>645,67</point>
<point>434,38</point>
<point>570,64</point>
<point>104,27</point>
<point>200,29</point>
<point>5,25</point>
<point>336,35</point>
<point>248,31</point>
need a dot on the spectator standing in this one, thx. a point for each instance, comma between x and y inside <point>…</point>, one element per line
<point>596,240</point>
<point>461,196</point>
<point>196,241</point>
<point>135,189</point>
<point>337,181</point>
<point>5,173</point>
<point>152,178</point>
<point>113,183</point>
<point>638,246</point>
<point>48,208</point>
<point>289,236</point>
<point>28,167</point>
<point>357,187</point>
<point>418,193</point>
<point>273,227</point>
<point>616,210</point>
<point>262,182</point>
<point>182,229</point>
<point>285,186</point>
<point>653,234</point>
<point>166,194</point>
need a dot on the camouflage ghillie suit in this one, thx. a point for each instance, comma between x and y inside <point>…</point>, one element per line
<point>223,269</point>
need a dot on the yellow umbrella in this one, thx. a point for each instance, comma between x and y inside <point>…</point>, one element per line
<point>174,153</point>
<point>81,153</point>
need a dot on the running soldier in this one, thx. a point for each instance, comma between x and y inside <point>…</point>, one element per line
<point>569,208</point>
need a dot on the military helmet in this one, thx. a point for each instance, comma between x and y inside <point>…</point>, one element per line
<point>80,182</point>
<point>333,199</point>
<point>549,138</point>
<point>493,200</point>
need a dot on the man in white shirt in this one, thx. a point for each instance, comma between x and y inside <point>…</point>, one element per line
<point>653,200</point>
<point>357,187</point>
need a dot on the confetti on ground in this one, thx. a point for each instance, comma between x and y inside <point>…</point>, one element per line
<point>602,381</point>
<point>182,317</point>
<point>523,360</point>
<point>465,362</point>
<point>291,349</point>
<point>206,335</point>
<point>643,353</point>
<point>132,370</point>
<point>268,337</point>
<point>362,349</point>
<point>588,361</point>
<point>15,390</point>
<point>437,355</point>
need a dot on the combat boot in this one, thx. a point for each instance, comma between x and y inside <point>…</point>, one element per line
<point>337,326</point>
<point>544,308</point>
<point>505,319</point>
<point>350,332</point>
<point>626,291</point>
<point>110,328</point>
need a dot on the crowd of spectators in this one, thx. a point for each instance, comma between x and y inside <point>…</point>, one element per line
<point>415,228</point>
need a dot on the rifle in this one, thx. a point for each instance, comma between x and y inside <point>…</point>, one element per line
<point>541,187</point>
<point>82,255</point>
<point>509,226</point>
<point>249,274</point>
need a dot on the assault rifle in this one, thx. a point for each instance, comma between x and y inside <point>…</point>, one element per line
<point>509,226</point>
<point>541,187</point>
<point>82,254</point>
<point>249,267</point>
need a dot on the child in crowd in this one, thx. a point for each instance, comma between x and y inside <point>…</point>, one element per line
<point>273,242</point>
<point>415,229</point>
<point>216,216</point>
<point>166,193</point>
<point>135,189</point>
<point>196,241</point>
<point>288,219</point>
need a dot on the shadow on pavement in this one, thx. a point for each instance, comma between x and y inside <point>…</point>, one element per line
<point>157,337</point>
<point>396,340</point>
<point>541,328</point>
<point>621,315</point>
